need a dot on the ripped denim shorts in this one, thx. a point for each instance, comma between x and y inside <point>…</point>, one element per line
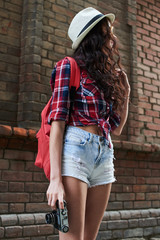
<point>87,157</point>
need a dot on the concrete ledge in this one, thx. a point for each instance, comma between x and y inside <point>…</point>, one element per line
<point>8,131</point>
<point>135,224</point>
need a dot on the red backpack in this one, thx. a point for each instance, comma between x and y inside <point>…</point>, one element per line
<point>43,157</point>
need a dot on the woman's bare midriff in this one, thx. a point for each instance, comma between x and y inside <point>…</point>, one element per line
<point>92,129</point>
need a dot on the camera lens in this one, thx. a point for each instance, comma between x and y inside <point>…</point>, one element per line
<point>48,218</point>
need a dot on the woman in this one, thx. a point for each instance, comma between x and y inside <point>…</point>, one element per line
<point>81,154</point>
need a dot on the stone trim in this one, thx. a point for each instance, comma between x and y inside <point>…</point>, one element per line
<point>9,131</point>
<point>115,225</point>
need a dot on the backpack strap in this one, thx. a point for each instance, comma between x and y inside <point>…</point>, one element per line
<point>74,74</point>
<point>74,82</point>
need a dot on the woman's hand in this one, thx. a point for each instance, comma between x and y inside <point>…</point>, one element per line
<point>55,192</point>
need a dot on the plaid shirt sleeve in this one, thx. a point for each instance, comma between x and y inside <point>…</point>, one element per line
<point>59,108</point>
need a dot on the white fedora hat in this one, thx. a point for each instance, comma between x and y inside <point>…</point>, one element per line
<point>83,22</point>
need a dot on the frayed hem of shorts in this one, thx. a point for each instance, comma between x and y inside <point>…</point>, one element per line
<point>70,175</point>
<point>103,183</point>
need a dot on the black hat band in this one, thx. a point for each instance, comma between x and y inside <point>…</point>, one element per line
<point>90,22</point>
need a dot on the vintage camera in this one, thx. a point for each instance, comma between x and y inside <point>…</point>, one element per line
<point>59,218</point>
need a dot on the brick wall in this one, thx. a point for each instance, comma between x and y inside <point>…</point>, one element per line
<point>10,28</point>
<point>148,47</point>
<point>120,225</point>
<point>39,28</point>
<point>23,186</point>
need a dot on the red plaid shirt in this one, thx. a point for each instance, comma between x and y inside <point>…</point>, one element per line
<point>89,107</point>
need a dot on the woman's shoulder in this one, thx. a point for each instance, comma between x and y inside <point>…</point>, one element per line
<point>63,61</point>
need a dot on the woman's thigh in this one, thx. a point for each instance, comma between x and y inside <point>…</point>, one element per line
<point>75,195</point>
<point>96,203</point>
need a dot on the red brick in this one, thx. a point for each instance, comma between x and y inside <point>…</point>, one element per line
<point>152,113</point>
<point>30,230</point>
<point>5,130</point>
<point>150,74</point>
<point>17,165</point>
<point>153,126</point>
<point>142,2</point>
<point>3,143</point>
<point>142,43</point>
<point>153,196</point>
<point>3,208</point>
<point>45,229</point>
<point>3,186</point>
<point>142,31</point>
<point>128,205</point>
<point>40,177</point>
<point>36,187</point>
<point>128,163</point>
<point>127,188</point>
<point>14,143</point>
<point>126,179</point>
<point>157,121</point>
<point>149,28</point>
<point>117,188</point>
<point>149,39</point>
<point>142,204</point>
<point>153,180</point>
<point>141,180</point>
<point>149,63</point>
<point>154,36</point>
<point>142,19</point>
<point>156,25</point>
<point>149,133</point>
<point>156,107</point>
<point>37,197</point>
<point>16,187</point>
<point>155,173</point>
<point>16,176</point>
<point>155,204</point>
<point>16,207</point>
<point>156,95</point>
<point>143,164</point>
<point>151,88</point>
<point>15,231</point>
<point>146,106</point>
<point>19,132</point>
<point>12,197</point>
<point>32,133</point>
<point>19,155</point>
<point>4,164</point>
<point>154,165</point>
<point>144,118</point>
<point>141,13</point>
<point>145,188</point>
<point>142,172</point>
<point>150,51</point>
<point>140,196</point>
<point>40,207</point>
<point>37,230</point>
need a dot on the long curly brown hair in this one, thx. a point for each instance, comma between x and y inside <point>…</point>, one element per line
<point>100,60</point>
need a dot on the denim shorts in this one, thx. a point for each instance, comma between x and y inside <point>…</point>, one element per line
<point>87,157</point>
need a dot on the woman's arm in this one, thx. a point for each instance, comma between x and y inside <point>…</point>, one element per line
<point>123,115</point>
<point>124,112</point>
<point>55,190</point>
